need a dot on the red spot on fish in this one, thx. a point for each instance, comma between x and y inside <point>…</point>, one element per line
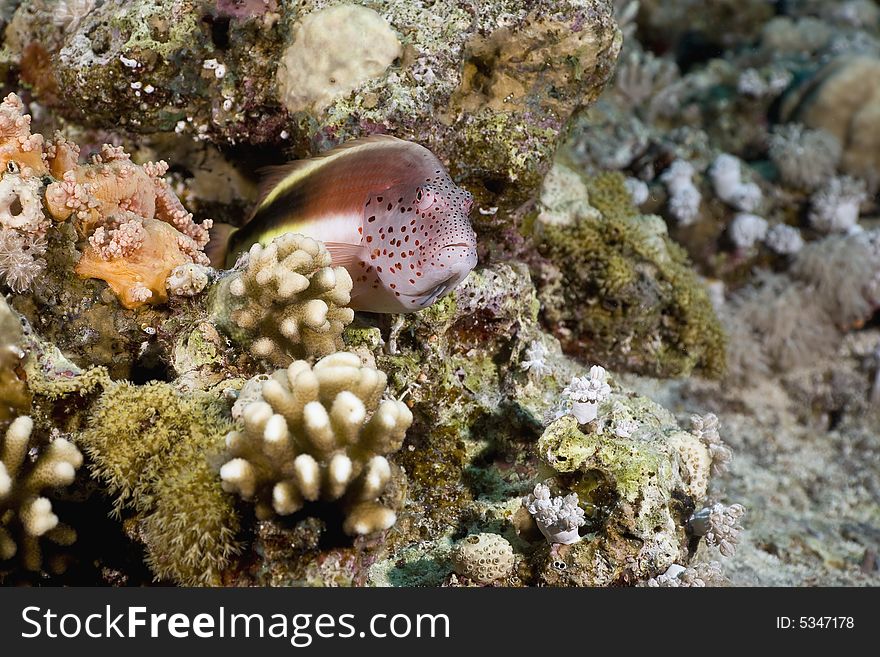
<point>379,269</point>
<point>371,219</point>
<point>369,238</point>
<point>360,230</point>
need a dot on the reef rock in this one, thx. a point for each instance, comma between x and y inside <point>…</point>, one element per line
<point>488,85</point>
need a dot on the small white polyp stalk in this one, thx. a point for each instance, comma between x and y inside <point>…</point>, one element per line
<point>5,482</point>
<point>585,412</point>
<point>289,328</point>
<point>7,545</point>
<point>237,287</point>
<point>339,473</point>
<point>256,415</point>
<point>317,425</point>
<point>239,476</point>
<point>37,516</point>
<point>291,283</point>
<point>315,315</point>
<point>15,444</point>
<point>376,477</point>
<point>52,474</point>
<point>235,441</point>
<point>263,348</point>
<point>323,280</point>
<point>275,437</point>
<point>368,518</point>
<point>307,476</point>
<point>286,499</point>
<point>347,415</point>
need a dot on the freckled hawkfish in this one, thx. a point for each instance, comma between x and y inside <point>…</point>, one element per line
<point>387,211</point>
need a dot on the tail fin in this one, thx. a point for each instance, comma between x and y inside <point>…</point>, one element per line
<point>218,245</point>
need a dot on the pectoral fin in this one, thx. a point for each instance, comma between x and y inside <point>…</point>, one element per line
<point>346,255</point>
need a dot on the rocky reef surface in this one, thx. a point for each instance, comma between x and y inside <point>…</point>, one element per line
<point>662,372</point>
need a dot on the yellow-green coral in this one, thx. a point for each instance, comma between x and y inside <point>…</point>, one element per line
<point>14,396</point>
<point>630,299</point>
<point>152,446</point>
<point>609,195</point>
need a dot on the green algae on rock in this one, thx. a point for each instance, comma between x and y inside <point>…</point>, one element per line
<point>639,476</point>
<point>625,294</point>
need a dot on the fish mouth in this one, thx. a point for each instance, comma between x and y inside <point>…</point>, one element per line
<point>437,292</point>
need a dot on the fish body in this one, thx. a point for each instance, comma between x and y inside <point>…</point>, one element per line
<point>387,211</point>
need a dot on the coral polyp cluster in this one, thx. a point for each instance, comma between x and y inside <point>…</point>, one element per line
<point>319,433</point>
<point>134,227</point>
<point>138,231</point>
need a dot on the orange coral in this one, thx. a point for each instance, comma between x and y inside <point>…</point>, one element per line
<point>138,277</point>
<point>136,228</point>
<point>19,149</point>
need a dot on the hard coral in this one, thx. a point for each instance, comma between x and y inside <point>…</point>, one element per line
<point>319,433</point>
<point>24,510</point>
<point>334,51</point>
<point>287,301</point>
<point>14,395</point>
<point>483,558</point>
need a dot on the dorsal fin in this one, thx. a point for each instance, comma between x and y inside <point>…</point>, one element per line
<point>272,177</point>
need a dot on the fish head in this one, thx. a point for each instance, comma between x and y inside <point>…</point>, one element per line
<point>421,241</point>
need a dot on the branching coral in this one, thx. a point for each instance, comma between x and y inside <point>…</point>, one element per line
<point>24,509</point>
<point>319,432</point>
<point>151,446</point>
<point>14,395</point>
<point>727,180</point>
<point>288,300</point>
<point>558,518</point>
<point>784,239</point>
<point>684,197</point>
<point>747,229</point>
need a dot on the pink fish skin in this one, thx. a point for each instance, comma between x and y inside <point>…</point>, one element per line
<point>388,212</point>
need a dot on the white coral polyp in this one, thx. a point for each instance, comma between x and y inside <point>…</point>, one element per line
<point>558,518</point>
<point>586,393</point>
